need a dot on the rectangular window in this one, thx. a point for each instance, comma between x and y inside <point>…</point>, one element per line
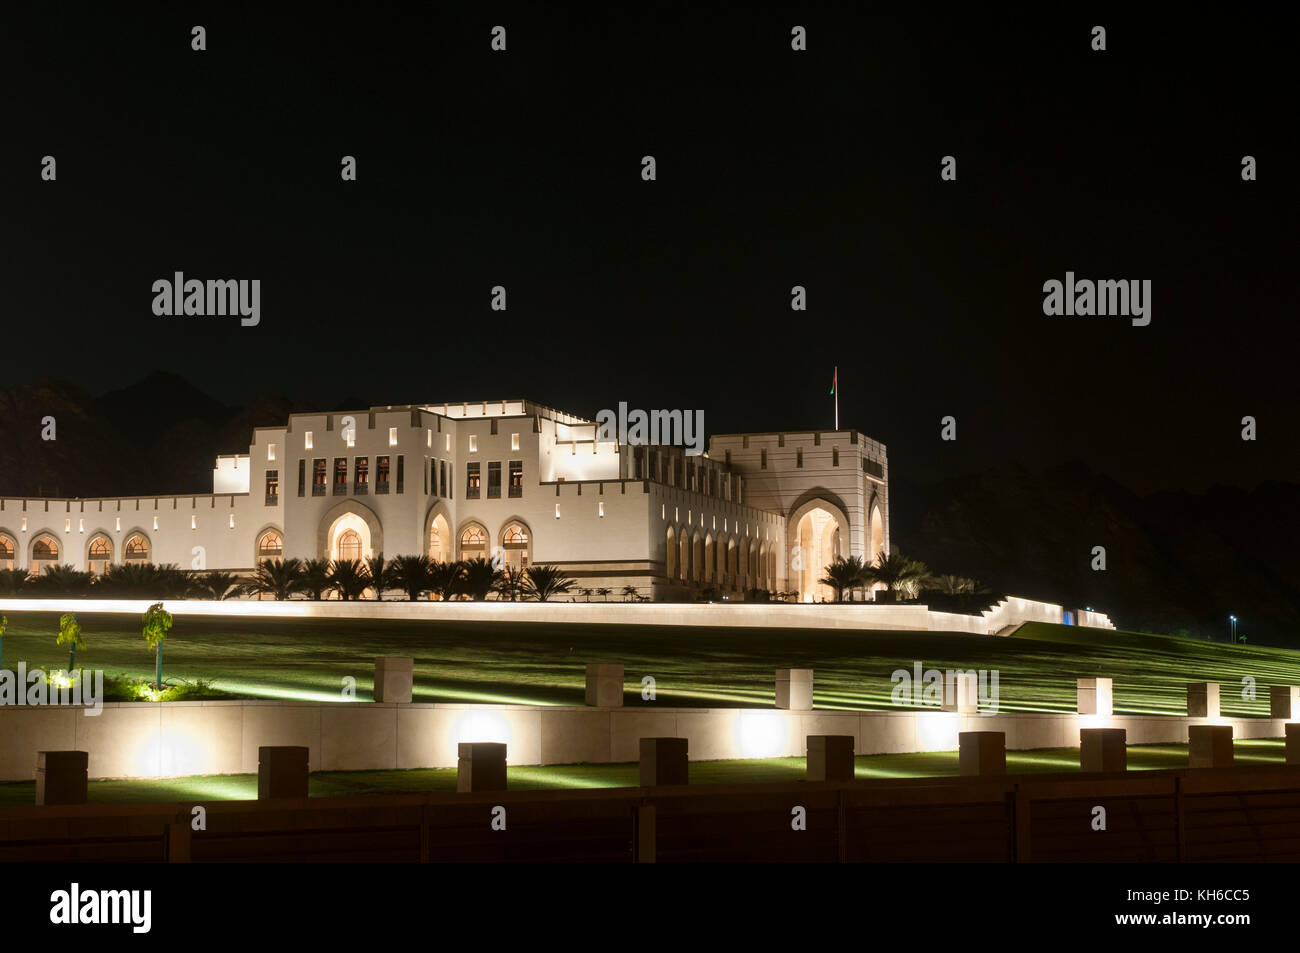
<point>762,459</point>
<point>302,477</point>
<point>401,472</point>
<point>318,477</point>
<point>428,465</point>
<point>392,436</point>
<point>306,440</point>
<point>471,481</point>
<point>270,452</point>
<point>494,480</point>
<point>340,475</point>
<point>448,442</point>
<point>442,477</point>
<point>516,478</point>
<point>381,474</point>
<point>600,508</point>
<point>835,456</point>
<point>361,476</point>
<point>514,442</point>
<point>272,487</point>
<point>473,443</point>
<point>798,457</point>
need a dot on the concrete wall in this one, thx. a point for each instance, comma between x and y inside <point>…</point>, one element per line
<point>142,740</point>
<point>749,615</point>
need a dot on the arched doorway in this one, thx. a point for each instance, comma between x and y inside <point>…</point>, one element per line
<point>474,542</point>
<point>670,562</point>
<point>136,549</point>
<point>99,555</point>
<point>817,534</point>
<point>515,545</point>
<point>270,546</point>
<point>877,536</point>
<point>439,540</point>
<point>45,553</point>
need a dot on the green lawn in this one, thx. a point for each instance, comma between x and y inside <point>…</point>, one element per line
<point>543,664</point>
<point>347,783</point>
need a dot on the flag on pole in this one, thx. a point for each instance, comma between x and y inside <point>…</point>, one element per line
<point>834,377</point>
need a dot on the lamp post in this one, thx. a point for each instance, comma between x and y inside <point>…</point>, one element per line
<point>1233,620</point>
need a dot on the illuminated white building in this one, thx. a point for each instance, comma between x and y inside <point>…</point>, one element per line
<point>508,479</point>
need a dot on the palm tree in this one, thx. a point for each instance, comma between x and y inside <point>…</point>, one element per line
<point>277,577</point>
<point>349,579</point>
<point>955,585</point>
<point>445,579</point>
<point>630,593</point>
<point>586,591</point>
<point>604,592</point>
<point>479,578</point>
<point>381,574</point>
<point>62,581</point>
<point>315,577</point>
<point>512,583</point>
<point>217,585</point>
<point>896,572</point>
<point>410,574</point>
<point>843,574</point>
<point>547,581</point>
<point>12,581</point>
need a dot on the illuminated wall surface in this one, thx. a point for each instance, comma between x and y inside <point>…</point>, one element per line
<point>140,740</point>
<point>1010,611</point>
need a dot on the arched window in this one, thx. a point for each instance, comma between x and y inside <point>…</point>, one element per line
<point>473,542</point>
<point>45,553</point>
<point>7,552</point>
<point>349,545</point>
<point>100,555</point>
<point>271,546</point>
<point>439,548</point>
<point>514,540</point>
<point>136,549</point>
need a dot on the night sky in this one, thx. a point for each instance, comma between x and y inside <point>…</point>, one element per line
<point>775,168</point>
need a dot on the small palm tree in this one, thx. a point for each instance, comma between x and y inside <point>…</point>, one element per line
<point>843,574</point>
<point>381,574</point>
<point>547,581</point>
<point>348,577</point>
<point>630,593</point>
<point>896,572</point>
<point>445,579</point>
<point>604,592</point>
<point>479,578</point>
<point>216,585</point>
<point>586,591</point>
<point>280,578</point>
<point>512,584</point>
<point>410,574</point>
<point>315,577</point>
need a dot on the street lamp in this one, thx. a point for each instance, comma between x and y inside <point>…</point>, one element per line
<point>1233,620</point>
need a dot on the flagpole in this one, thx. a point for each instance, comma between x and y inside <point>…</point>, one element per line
<point>836,378</point>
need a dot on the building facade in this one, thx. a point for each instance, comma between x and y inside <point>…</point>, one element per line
<point>509,480</point>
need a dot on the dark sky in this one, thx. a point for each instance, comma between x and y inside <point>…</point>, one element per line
<point>775,168</point>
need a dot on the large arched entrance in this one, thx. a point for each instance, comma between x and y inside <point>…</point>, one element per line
<point>333,539</point>
<point>819,532</point>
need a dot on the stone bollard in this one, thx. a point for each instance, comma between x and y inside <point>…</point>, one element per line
<point>982,754</point>
<point>962,693</point>
<point>1103,749</point>
<point>61,777</point>
<point>1293,742</point>
<point>1209,746</point>
<point>605,685</point>
<point>794,689</point>
<point>480,766</point>
<point>664,761</point>
<point>394,679</point>
<point>1284,702</point>
<point>830,758</point>
<point>281,771</point>
<point>1203,700</point>
<point>1095,696</point>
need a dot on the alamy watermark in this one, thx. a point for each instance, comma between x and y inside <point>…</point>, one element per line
<point>939,688</point>
<point>35,687</point>
<point>212,298</point>
<point>1085,298</point>
<point>680,428</point>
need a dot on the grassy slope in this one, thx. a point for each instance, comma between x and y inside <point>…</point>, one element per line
<point>543,664</point>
